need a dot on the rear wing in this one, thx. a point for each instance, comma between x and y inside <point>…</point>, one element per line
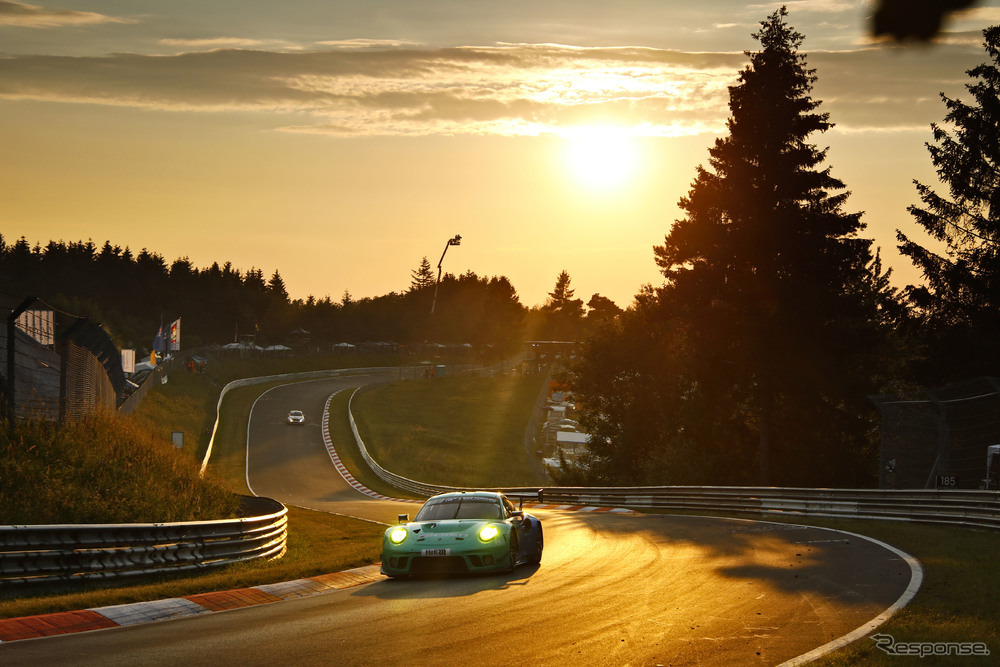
<point>521,494</point>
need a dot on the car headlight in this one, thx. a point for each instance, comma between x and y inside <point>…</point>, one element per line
<point>488,532</point>
<point>397,535</point>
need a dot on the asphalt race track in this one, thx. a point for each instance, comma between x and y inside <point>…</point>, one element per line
<point>612,589</point>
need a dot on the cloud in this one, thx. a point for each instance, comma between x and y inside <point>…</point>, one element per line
<point>213,43</point>
<point>32,16</point>
<point>818,6</point>
<point>367,43</point>
<point>507,89</point>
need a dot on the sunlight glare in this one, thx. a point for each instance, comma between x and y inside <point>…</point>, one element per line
<point>602,158</point>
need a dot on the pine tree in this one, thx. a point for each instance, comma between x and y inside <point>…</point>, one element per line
<point>758,351</point>
<point>423,276</point>
<point>961,299</point>
<point>564,314</point>
<point>276,286</point>
<point>769,270</point>
<point>561,294</point>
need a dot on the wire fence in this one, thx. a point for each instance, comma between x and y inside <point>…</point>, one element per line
<point>56,366</point>
<point>941,438</point>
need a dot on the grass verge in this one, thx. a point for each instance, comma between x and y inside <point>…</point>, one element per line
<point>455,431</point>
<point>350,455</point>
<point>180,405</point>
<point>959,600</point>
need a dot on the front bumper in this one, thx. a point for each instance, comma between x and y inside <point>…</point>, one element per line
<point>484,559</point>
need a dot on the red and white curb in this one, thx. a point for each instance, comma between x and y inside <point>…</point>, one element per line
<point>339,465</point>
<point>47,625</point>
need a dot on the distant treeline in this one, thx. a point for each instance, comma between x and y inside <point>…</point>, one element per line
<point>132,294</point>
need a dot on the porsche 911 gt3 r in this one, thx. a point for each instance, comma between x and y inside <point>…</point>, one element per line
<point>464,532</point>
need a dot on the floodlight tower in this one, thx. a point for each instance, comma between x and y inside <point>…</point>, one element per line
<point>455,240</point>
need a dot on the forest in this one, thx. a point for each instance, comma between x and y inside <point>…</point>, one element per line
<point>133,295</point>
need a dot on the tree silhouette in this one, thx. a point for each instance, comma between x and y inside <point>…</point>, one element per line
<point>960,303</point>
<point>777,305</point>
<point>423,276</point>
<point>563,314</point>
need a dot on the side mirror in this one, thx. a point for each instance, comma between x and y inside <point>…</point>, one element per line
<point>403,518</point>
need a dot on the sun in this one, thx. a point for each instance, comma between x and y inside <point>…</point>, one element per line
<point>602,158</point>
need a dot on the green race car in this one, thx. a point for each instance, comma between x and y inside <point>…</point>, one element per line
<point>459,533</point>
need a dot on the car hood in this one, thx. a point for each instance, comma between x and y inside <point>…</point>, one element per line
<point>449,527</point>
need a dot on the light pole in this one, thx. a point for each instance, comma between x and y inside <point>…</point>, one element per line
<point>455,240</point>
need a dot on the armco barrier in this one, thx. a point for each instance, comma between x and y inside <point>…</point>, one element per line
<point>979,509</point>
<point>80,552</point>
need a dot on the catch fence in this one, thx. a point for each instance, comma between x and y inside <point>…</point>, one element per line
<point>941,438</point>
<point>56,366</point>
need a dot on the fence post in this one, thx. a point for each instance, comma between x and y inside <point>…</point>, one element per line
<point>11,363</point>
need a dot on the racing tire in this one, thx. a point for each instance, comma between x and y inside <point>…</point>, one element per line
<point>539,546</point>
<point>514,550</point>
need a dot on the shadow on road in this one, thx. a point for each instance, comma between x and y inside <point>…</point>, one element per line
<point>790,558</point>
<point>441,586</point>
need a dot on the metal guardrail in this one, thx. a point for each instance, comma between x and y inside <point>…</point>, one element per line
<point>81,552</point>
<point>978,509</point>
<point>398,481</point>
<point>392,479</point>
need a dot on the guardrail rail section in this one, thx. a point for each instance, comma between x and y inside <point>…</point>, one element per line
<point>975,509</point>
<point>82,552</point>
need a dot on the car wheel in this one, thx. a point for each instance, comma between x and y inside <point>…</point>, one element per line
<point>539,545</point>
<point>514,549</point>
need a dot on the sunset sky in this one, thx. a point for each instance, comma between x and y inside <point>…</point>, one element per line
<point>339,142</point>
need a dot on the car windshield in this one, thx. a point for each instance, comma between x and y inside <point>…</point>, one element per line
<point>460,507</point>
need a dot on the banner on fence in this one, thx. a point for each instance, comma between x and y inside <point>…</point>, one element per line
<point>175,335</point>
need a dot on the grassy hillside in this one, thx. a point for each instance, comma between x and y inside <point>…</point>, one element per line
<point>102,470</point>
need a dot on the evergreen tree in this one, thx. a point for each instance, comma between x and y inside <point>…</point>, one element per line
<point>561,296</point>
<point>276,286</point>
<point>960,302</point>
<point>422,277</point>
<point>564,314</point>
<point>779,308</point>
